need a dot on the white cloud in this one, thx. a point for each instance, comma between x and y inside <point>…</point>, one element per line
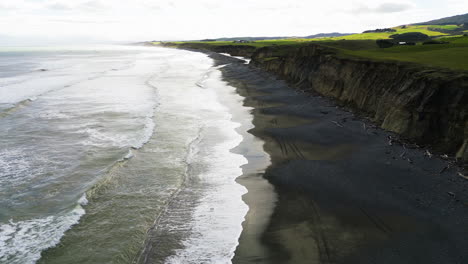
<point>189,19</point>
<point>60,7</point>
<point>385,7</point>
<point>393,7</point>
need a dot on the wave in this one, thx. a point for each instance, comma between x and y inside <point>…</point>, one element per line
<point>16,107</point>
<point>22,239</point>
<point>215,221</point>
<point>21,242</point>
<point>202,220</point>
<point>201,83</point>
<point>192,150</point>
<point>42,73</point>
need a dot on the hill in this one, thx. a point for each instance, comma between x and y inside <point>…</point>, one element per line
<point>244,38</point>
<point>328,35</point>
<point>320,35</point>
<point>453,20</point>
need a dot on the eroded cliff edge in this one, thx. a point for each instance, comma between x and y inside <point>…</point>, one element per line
<point>427,106</point>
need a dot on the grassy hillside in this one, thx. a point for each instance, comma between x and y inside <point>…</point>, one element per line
<point>426,29</point>
<point>460,19</point>
<point>453,55</point>
<point>399,30</point>
<point>445,27</point>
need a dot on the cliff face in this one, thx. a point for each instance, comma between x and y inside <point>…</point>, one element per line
<point>424,105</point>
<point>234,50</point>
<point>243,51</point>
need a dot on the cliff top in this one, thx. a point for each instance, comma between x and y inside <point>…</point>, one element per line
<point>450,52</point>
<point>441,43</point>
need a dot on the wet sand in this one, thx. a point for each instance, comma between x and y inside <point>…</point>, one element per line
<point>347,192</point>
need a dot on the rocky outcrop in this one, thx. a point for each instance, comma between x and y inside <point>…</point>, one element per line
<point>428,106</point>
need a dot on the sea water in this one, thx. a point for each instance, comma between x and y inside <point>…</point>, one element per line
<point>108,152</point>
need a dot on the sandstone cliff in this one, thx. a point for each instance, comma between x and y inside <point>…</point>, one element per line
<point>428,106</point>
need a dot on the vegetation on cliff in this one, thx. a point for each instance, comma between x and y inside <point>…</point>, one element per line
<point>452,55</point>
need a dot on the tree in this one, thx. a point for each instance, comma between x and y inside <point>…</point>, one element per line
<point>383,43</point>
<point>410,37</point>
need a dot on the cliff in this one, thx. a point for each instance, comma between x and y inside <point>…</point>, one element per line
<point>234,50</point>
<point>427,106</point>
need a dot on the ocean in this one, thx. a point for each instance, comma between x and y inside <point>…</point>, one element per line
<point>110,151</point>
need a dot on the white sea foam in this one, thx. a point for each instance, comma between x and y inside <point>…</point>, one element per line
<point>83,200</point>
<point>129,155</point>
<point>216,221</point>
<point>21,242</point>
<point>17,167</point>
<point>216,224</point>
<point>247,60</point>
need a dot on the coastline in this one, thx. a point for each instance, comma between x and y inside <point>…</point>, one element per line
<point>261,196</point>
<point>334,204</point>
<point>176,197</point>
<point>421,103</point>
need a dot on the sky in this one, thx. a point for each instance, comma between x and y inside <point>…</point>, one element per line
<point>76,21</point>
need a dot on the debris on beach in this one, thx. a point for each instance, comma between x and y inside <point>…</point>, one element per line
<point>338,124</point>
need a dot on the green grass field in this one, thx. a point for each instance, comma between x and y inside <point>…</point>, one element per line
<point>445,27</point>
<point>362,36</point>
<point>386,35</point>
<point>452,56</point>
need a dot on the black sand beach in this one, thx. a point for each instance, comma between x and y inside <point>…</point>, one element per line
<point>347,191</point>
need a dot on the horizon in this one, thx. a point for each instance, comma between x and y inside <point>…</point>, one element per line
<point>58,22</point>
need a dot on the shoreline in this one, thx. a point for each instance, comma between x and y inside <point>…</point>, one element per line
<point>261,196</point>
<point>335,205</point>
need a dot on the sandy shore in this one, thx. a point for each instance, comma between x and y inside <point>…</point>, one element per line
<point>347,191</point>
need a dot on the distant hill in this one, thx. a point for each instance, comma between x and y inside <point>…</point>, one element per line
<point>244,38</point>
<point>321,35</point>
<point>453,20</point>
<point>328,35</point>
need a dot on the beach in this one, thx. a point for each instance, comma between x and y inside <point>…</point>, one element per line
<point>347,191</point>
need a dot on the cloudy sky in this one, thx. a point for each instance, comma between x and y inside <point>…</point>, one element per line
<point>138,20</point>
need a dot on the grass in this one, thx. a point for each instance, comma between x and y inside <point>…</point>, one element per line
<point>452,56</point>
<point>456,39</point>
<point>386,35</point>
<point>294,41</point>
<point>445,27</point>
